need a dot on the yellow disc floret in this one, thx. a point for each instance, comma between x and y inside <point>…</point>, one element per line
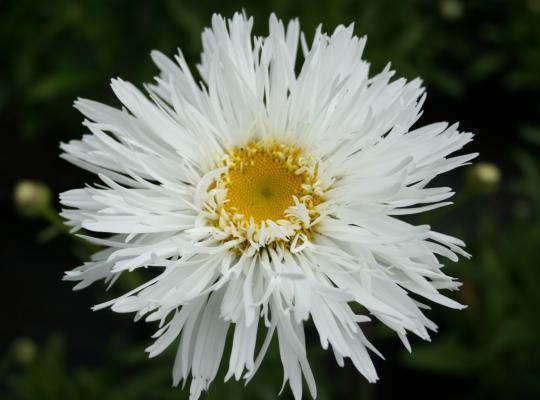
<point>269,193</point>
<point>261,187</point>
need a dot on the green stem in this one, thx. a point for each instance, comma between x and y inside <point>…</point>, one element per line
<point>52,216</point>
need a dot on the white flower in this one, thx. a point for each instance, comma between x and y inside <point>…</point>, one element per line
<point>264,196</point>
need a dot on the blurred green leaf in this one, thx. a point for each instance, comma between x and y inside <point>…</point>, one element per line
<point>444,356</point>
<point>486,64</point>
<point>531,134</point>
<point>60,83</point>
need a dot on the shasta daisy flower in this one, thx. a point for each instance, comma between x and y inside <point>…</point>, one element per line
<point>265,196</point>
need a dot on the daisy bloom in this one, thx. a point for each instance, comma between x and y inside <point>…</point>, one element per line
<point>265,191</point>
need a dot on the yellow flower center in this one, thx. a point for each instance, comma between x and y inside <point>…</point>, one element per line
<point>268,194</point>
<point>261,186</point>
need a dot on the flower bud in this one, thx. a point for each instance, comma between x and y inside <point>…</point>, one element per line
<point>451,9</point>
<point>23,350</point>
<point>485,177</point>
<point>31,198</point>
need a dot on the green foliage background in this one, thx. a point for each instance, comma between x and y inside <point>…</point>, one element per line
<point>481,64</point>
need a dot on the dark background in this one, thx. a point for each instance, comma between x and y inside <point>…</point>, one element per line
<point>480,61</point>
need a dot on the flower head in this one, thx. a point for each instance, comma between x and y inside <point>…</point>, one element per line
<point>266,196</point>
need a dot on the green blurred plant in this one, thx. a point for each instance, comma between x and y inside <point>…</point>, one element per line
<point>496,344</point>
<point>41,372</point>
